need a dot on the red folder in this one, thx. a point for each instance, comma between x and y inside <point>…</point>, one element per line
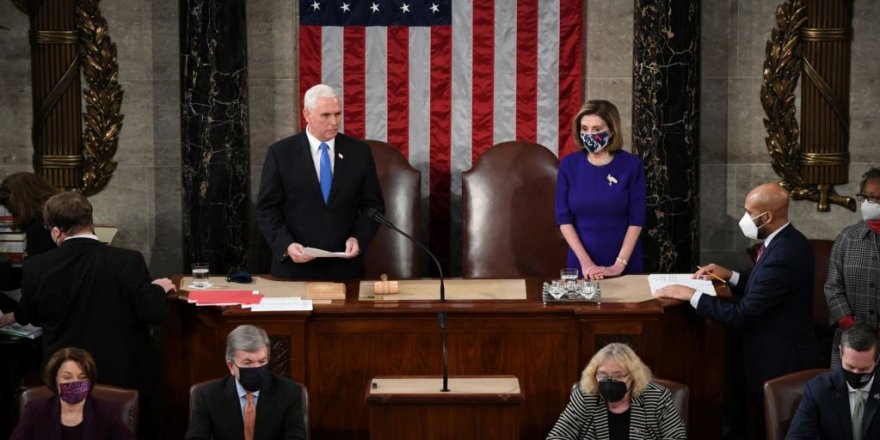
<point>224,297</point>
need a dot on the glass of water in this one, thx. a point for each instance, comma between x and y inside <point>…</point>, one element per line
<point>201,275</point>
<point>569,277</point>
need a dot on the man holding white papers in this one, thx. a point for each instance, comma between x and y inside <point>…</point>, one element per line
<point>773,304</point>
<point>315,191</point>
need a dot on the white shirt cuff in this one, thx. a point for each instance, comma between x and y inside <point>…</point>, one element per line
<point>695,298</point>
<point>734,278</point>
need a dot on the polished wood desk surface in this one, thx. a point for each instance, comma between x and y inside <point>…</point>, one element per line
<point>426,389</point>
<point>532,303</point>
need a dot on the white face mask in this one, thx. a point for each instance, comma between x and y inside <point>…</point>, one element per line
<point>748,227</point>
<point>870,211</point>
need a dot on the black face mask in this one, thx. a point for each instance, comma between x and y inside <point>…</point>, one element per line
<point>252,379</point>
<point>612,390</point>
<point>857,380</point>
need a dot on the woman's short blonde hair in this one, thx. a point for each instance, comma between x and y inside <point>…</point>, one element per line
<point>608,112</point>
<point>639,373</point>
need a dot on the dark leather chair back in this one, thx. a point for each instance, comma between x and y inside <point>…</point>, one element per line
<point>680,396</point>
<point>782,396</point>
<point>389,252</point>
<point>305,401</point>
<point>125,399</point>
<point>508,211</point>
<point>822,255</point>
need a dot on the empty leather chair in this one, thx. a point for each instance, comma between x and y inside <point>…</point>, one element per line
<point>389,252</point>
<point>509,214</point>
<point>305,401</point>
<point>126,399</point>
<point>680,396</point>
<point>782,396</point>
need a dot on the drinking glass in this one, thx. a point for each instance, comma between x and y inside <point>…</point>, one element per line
<point>569,277</point>
<point>201,275</point>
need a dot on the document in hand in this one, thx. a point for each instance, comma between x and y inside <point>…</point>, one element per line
<point>321,253</point>
<point>26,331</point>
<point>660,280</point>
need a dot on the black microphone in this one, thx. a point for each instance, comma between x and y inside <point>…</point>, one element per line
<point>377,217</point>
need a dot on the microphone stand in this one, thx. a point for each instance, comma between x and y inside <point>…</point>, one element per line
<point>441,315</point>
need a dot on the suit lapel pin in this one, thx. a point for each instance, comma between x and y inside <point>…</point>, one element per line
<point>611,180</point>
<point>876,396</point>
<point>340,155</point>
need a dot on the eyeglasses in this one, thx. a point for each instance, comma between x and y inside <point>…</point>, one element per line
<point>870,199</point>
<point>617,377</point>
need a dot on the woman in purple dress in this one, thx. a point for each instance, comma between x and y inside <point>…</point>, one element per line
<point>600,197</point>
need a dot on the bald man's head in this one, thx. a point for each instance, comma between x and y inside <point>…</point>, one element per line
<point>769,201</point>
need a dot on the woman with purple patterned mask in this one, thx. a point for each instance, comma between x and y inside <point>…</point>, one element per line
<point>71,412</point>
<point>601,196</point>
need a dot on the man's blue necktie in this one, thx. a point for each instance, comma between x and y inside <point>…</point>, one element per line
<point>326,177</point>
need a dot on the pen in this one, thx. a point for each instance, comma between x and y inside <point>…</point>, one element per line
<point>714,276</point>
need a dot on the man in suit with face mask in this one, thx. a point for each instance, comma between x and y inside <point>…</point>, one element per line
<point>773,302</point>
<point>842,404</point>
<point>229,408</point>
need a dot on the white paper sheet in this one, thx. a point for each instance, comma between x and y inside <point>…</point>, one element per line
<point>660,280</point>
<point>280,304</point>
<point>321,253</point>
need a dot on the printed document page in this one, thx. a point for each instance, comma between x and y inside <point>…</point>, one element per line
<point>660,280</point>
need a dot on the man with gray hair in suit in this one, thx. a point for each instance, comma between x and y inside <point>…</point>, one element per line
<point>229,408</point>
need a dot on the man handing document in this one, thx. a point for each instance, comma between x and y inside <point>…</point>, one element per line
<point>773,303</point>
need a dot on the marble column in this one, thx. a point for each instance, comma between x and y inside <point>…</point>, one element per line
<point>665,128</point>
<point>214,128</point>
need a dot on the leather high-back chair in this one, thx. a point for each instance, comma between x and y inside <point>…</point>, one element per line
<point>125,399</point>
<point>680,396</point>
<point>508,208</point>
<point>305,401</point>
<point>389,252</point>
<point>782,396</point>
<point>824,330</point>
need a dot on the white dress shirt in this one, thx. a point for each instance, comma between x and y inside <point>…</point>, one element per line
<point>315,148</point>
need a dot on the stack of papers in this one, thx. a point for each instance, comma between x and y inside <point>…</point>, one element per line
<point>23,331</point>
<point>660,280</point>
<point>280,304</point>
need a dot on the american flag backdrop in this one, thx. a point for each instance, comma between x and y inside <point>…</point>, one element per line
<point>444,80</point>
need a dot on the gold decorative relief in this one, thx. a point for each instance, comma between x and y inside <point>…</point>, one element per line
<point>103,98</point>
<point>75,133</point>
<point>808,174</point>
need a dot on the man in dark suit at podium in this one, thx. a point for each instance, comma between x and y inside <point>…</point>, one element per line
<point>316,189</point>
<point>843,404</point>
<point>773,303</point>
<point>250,403</point>
<point>96,297</point>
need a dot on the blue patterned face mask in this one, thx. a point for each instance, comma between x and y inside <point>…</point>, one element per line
<point>595,142</point>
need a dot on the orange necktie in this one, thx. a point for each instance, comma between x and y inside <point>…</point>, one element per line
<point>250,417</point>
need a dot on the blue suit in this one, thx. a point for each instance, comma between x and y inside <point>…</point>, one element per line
<point>773,310</point>
<point>824,410</point>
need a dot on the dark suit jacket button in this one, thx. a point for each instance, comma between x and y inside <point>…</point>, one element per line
<point>870,312</point>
